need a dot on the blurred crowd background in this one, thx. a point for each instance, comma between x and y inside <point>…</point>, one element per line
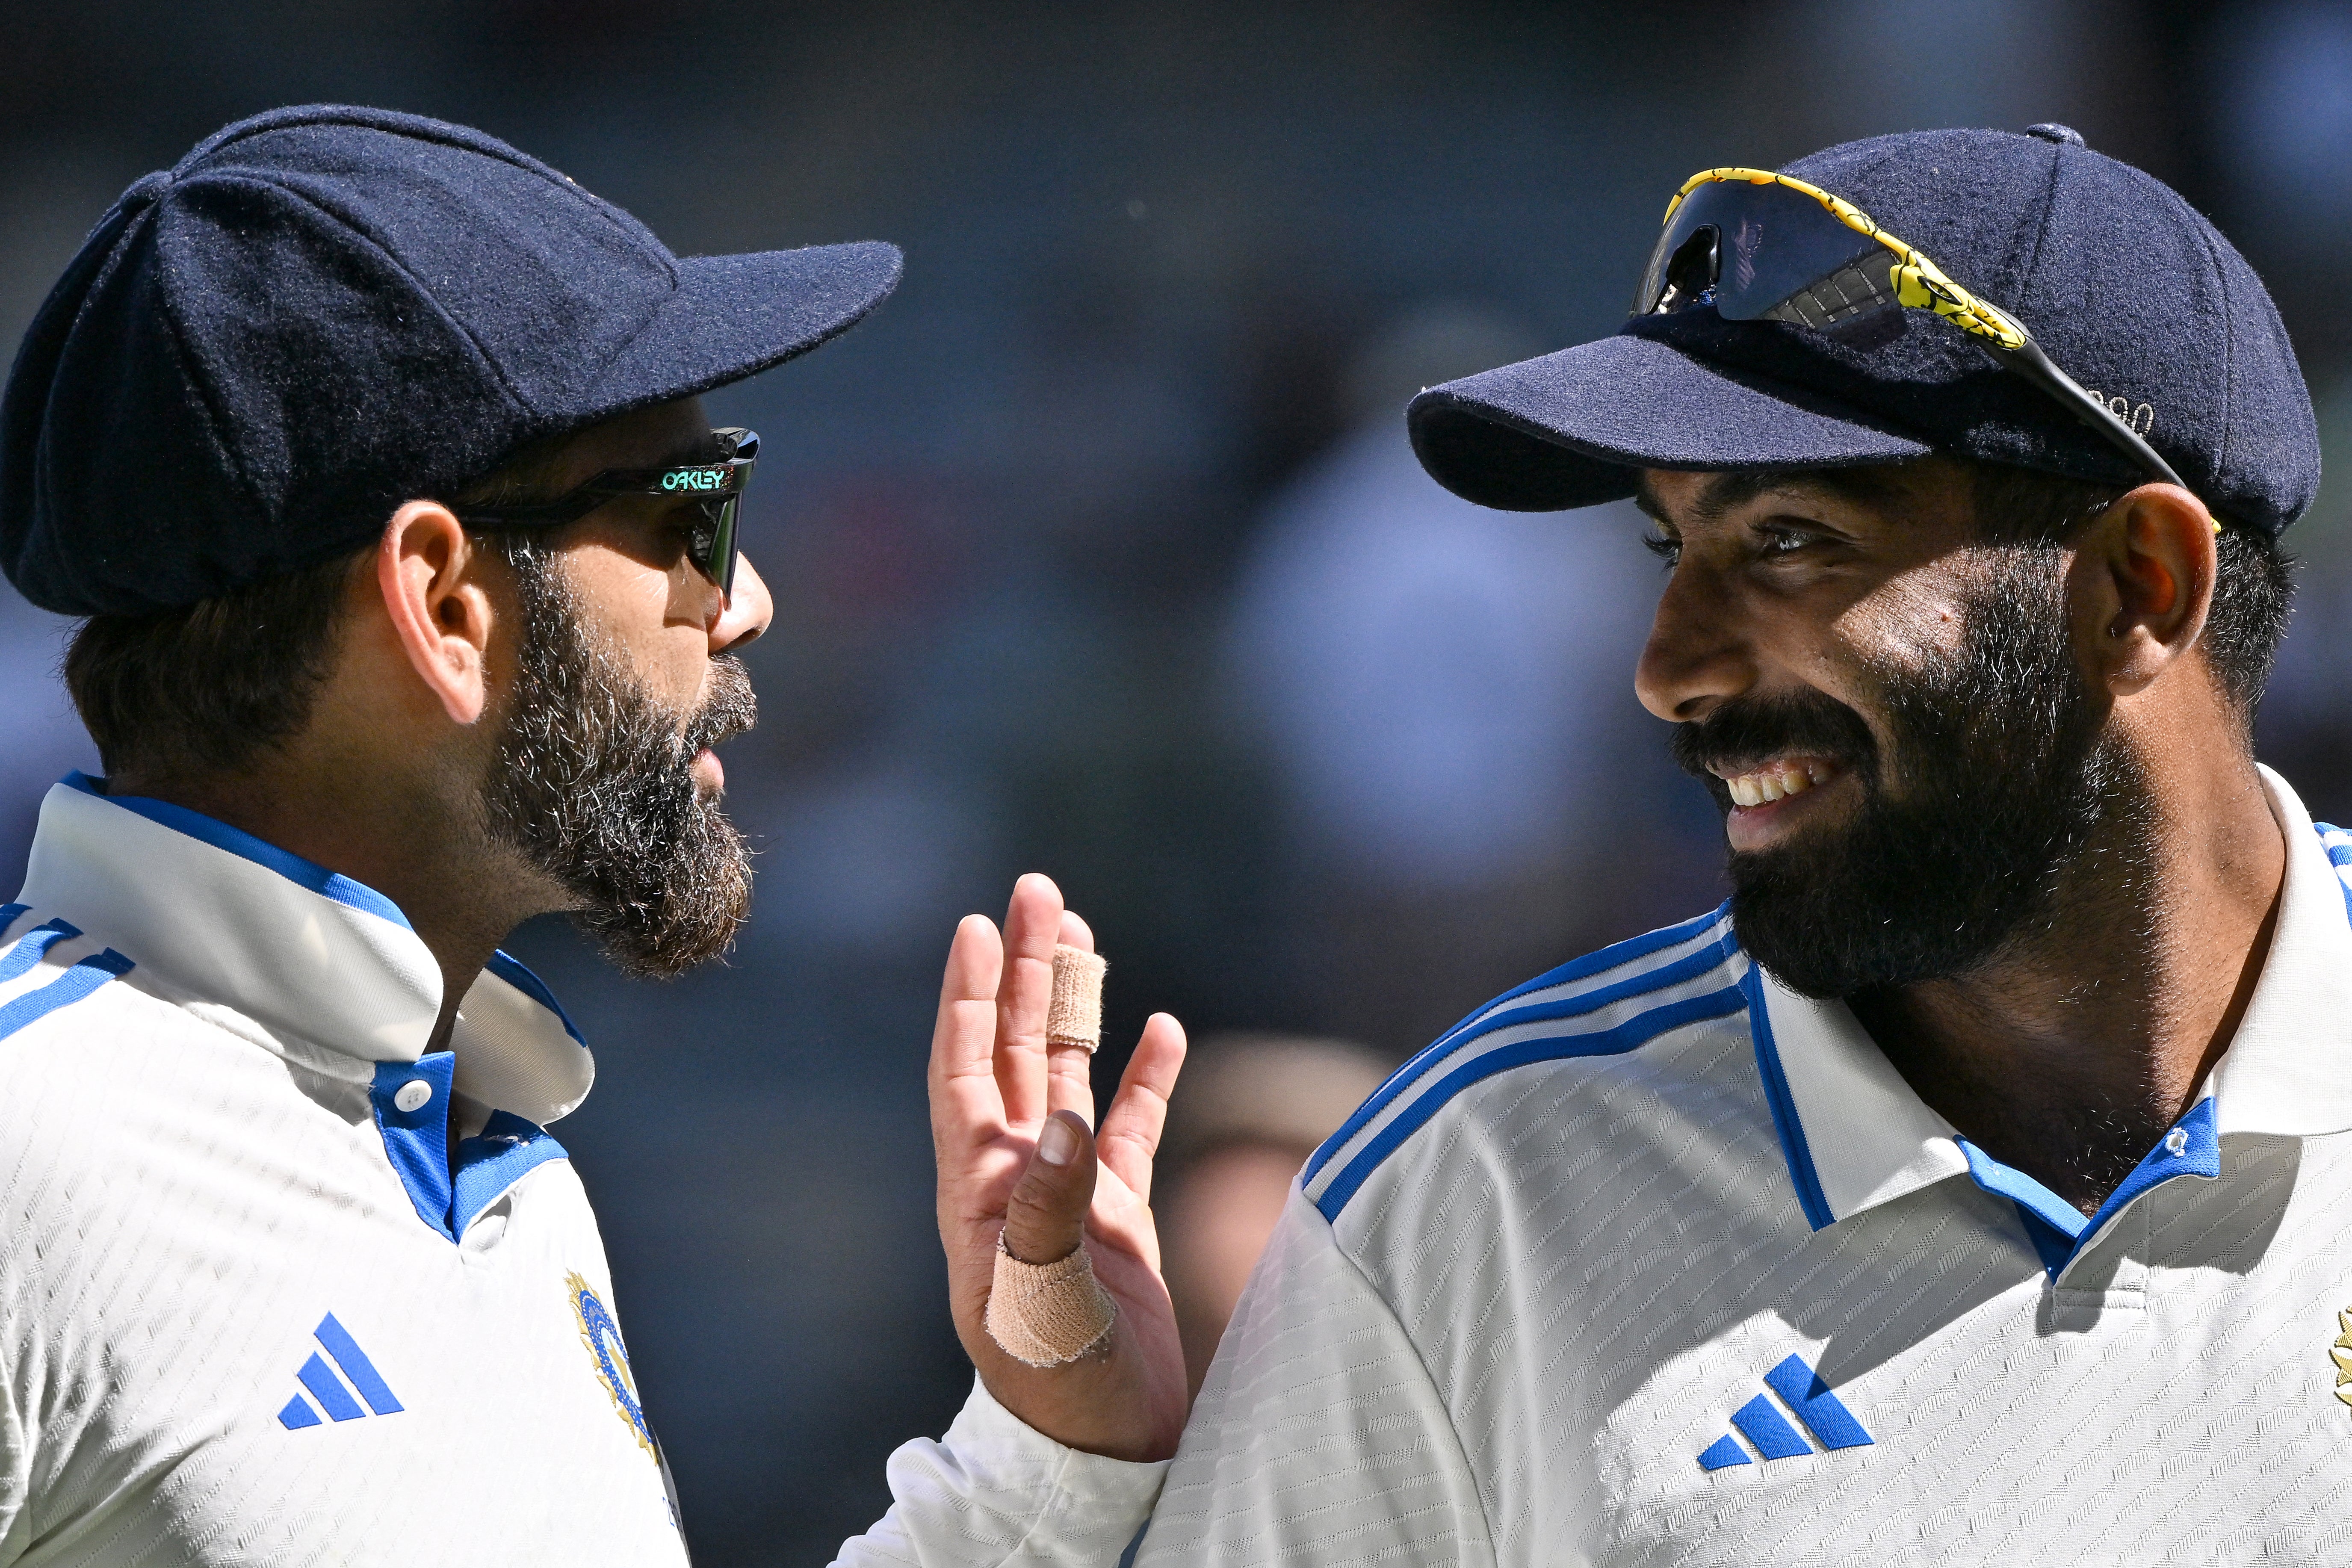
<point>1099,548</point>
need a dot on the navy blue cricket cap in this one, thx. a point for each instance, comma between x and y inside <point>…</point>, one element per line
<point>323,312</point>
<point>2123,284</point>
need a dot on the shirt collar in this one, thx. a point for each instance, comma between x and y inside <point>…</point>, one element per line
<point>327,966</point>
<point>1857,1135</point>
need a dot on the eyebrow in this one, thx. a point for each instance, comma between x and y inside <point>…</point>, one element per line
<point>1724,491</point>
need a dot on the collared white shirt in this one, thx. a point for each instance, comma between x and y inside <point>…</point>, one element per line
<point>255,1307</point>
<point>1654,1260</point>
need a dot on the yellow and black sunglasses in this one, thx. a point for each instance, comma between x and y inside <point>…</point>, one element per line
<point>1764,247</point>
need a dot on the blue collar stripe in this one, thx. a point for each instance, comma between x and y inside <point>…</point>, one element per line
<point>1793,1147</point>
<point>1488,1020</point>
<point>493,1161</point>
<point>512,972</point>
<point>2201,1155</point>
<point>417,1141</point>
<point>1626,1037</point>
<point>221,835</point>
<point>2057,1229</point>
<point>2003,1181</point>
<point>2052,1224</point>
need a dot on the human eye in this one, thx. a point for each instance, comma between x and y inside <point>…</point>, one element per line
<point>1774,540</point>
<point>1663,546</point>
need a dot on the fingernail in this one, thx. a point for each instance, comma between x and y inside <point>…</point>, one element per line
<point>1057,1142</point>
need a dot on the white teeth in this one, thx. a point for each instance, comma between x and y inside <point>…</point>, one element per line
<point>1766,785</point>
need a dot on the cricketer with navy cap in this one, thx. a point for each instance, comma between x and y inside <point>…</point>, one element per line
<point>369,448</point>
<point>1971,1186</point>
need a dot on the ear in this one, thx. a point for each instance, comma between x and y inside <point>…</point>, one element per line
<point>429,572</point>
<point>2143,577</point>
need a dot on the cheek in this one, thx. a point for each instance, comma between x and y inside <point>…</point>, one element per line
<point>1913,623</point>
<point>635,607</point>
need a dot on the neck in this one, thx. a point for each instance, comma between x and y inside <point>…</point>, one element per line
<point>460,895</point>
<point>2069,1054</point>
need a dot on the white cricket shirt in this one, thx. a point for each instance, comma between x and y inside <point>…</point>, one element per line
<point>249,1311</point>
<point>1655,1261</point>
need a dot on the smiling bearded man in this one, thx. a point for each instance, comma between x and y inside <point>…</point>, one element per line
<point>1967,1188</point>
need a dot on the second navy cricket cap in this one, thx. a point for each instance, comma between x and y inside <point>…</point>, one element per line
<point>2125,287</point>
<point>323,312</point>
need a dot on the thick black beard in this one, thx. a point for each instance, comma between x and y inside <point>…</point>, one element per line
<point>594,785</point>
<point>1999,786</point>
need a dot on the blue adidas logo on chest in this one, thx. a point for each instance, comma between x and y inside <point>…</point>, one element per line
<point>338,1397</point>
<point>1799,1389</point>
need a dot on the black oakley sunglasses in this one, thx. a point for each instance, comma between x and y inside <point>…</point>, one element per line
<point>714,488</point>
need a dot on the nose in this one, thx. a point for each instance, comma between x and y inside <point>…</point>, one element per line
<point>1696,659</point>
<point>743,614</point>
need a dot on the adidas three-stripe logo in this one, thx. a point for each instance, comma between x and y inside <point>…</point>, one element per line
<point>1759,1421</point>
<point>328,1390</point>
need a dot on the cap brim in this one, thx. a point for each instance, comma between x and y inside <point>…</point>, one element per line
<point>735,316</point>
<point>1574,428</point>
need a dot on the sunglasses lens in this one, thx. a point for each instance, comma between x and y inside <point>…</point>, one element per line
<point>714,543</point>
<point>1769,246</point>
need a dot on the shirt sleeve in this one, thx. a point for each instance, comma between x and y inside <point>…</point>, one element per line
<point>996,1491</point>
<point>1320,1437</point>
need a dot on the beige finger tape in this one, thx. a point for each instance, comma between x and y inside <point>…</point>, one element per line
<point>1047,1314</point>
<point>1074,1017</point>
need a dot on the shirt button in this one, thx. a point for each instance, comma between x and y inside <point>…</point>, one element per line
<point>412,1095</point>
<point>2175,1141</point>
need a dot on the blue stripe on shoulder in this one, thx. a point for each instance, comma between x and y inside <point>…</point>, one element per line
<point>78,981</point>
<point>1487,1019</point>
<point>1793,1147</point>
<point>1615,955</point>
<point>1626,1037</point>
<point>2339,854</point>
<point>33,946</point>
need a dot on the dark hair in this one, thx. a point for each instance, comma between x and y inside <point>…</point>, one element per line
<point>2254,586</point>
<point>211,686</point>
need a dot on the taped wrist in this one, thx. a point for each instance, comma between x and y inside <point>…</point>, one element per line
<point>1047,1314</point>
<point>1074,1014</point>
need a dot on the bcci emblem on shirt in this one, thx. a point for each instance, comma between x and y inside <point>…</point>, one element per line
<point>602,1335</point>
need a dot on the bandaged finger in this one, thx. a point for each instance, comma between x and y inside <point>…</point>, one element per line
<point>1048,1314</point>
<point>1074,1014</point>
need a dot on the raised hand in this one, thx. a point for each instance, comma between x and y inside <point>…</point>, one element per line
<point>997,1093</point>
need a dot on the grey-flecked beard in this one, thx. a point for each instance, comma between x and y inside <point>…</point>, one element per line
<point>594,785</point>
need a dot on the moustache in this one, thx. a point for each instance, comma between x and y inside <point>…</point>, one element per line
<point>1748,730</point>
<point>729,709</point>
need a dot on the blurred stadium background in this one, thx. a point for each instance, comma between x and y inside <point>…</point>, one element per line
<point>1099,549</point>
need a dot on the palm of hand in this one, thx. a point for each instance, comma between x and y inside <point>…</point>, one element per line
<point>993,1083</point>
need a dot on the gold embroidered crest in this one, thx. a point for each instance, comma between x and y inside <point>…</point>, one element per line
<point>603,1338</point>
<point>2341,1350</point>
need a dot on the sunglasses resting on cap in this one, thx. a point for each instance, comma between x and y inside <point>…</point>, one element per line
<point>1760,246</point>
